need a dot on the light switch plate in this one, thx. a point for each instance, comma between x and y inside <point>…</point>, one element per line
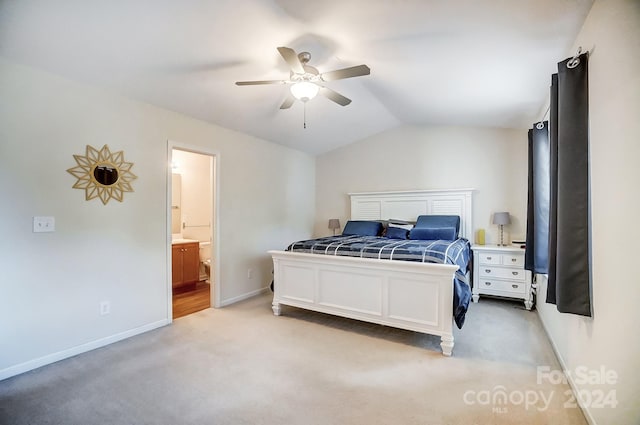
<point>44,224</point>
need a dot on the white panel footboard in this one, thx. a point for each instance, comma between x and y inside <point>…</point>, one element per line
<point>402,294</point>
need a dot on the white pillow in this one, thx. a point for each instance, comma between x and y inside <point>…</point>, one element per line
<point>405,225</point>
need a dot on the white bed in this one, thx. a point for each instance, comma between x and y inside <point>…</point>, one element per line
<point>402,294</point>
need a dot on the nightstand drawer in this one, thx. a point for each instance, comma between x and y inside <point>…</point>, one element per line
<point>486,258</point>
<point>513,260</point>
<point>493,259</point>
<point>501,273</point>
<point>502,286</point>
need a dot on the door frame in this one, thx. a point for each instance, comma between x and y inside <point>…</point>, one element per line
<point>214,156</point>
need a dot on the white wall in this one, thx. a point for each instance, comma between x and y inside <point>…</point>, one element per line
<point>491,161</point>
<point>610,339</point>
<point>52,283</point>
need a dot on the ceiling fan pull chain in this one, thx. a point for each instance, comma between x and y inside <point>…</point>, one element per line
<point>304,114</point>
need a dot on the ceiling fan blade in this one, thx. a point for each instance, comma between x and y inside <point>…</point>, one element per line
<point>254,83</point>
<point>335,96</point>
<point>288,102</point>
<point>339,74</point>
<point>291,57</point>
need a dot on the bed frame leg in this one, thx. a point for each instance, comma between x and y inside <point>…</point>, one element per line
<point>446,342</point>
<point>528,304</point>
<point>275,306</point>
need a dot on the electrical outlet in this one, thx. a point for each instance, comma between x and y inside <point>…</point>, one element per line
<point>249,274</point>
<point>44,224</point>
<point>105,308</point>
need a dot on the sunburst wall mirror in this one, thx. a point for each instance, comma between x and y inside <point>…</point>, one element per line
<point>103,174</point>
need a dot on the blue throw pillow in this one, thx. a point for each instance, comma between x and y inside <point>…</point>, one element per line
<point>396,233</point>
<point>433,233</point>
<point>362,228</point>
<point>439,221</point>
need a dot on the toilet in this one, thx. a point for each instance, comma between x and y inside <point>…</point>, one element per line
<point>207,269</point>
<point>205,261</point>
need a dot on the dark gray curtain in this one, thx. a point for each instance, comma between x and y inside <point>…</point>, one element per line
<point>537,247</point>
<point>569,243</point>
<point>553,189</point>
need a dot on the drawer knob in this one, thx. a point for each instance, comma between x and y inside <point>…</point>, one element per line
<point>487,270</point>
<point>515,273</point>
<point>488,283</point>
<point>488,258</point>
<point>514,260</point>
<point>514,286</point>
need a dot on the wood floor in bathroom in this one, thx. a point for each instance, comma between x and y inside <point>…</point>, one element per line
<point>188,300</point>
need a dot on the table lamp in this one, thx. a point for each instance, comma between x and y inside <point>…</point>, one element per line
<point>334,224</point>
<point>501,218</point>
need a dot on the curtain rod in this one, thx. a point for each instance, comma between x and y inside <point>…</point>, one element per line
<point>540,124</point>
<point>575,60</point>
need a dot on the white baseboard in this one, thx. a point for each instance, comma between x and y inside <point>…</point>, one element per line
<point>73,351</point>
<point>563,364</point>
<point>224,303</point>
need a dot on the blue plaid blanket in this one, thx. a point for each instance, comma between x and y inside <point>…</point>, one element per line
<point>456,252</point>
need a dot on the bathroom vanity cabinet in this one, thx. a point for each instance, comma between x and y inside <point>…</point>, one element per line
<point>185,263</point>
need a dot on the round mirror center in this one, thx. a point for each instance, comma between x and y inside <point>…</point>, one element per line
<point>105,174</point>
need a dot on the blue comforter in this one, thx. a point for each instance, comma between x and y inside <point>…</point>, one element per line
<point>456,252</point>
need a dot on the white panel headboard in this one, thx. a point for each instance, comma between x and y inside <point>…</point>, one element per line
<point>408,205</point>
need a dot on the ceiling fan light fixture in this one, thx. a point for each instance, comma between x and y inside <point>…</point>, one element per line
<point>304,90</point>
<point>306,81</point>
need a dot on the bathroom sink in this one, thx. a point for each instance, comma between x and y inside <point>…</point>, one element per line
<point>182,240</point>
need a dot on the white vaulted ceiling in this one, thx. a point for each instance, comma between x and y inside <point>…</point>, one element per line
<point>433,62</point>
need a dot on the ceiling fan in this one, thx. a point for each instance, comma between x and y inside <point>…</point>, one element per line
<point>306,82</point>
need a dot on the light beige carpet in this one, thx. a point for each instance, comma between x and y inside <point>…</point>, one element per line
<point>242,365</point>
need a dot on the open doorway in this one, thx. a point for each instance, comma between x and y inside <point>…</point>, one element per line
<point>192,227</point>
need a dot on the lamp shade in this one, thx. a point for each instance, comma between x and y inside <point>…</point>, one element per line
<point>304,90</point>
<point>501,218</point>
<point>334,223</point>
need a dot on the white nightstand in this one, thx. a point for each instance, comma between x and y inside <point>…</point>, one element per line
<point>499,271</point>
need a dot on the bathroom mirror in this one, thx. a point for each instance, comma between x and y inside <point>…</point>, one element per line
<point>102,174</point>
<point>176,200</point>
<point>176,190</point>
